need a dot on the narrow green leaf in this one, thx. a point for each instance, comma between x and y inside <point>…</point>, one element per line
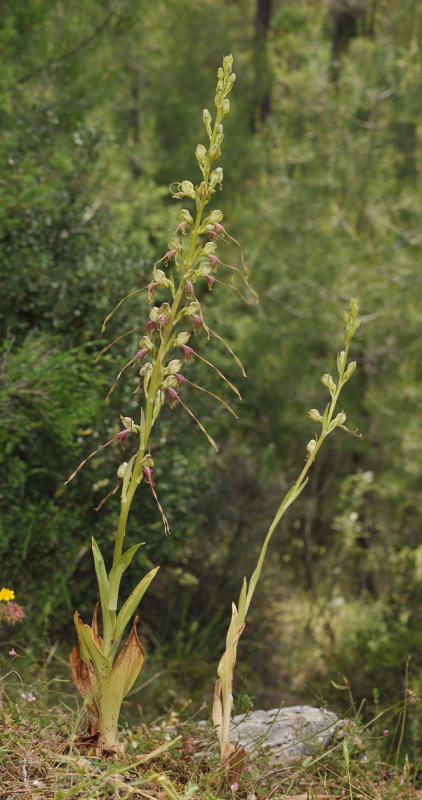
<point>104,588</point>
<point>131,604</point>
<point>126,477</point>
<point>116,574</point>
<point>337,686</point>
<point>242,601</point>
<point>101,571</point>
<point>325,416</point>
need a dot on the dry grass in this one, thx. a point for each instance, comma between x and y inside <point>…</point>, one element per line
<point>41,756</point>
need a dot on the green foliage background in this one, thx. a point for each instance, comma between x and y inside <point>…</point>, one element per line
<point>100,110</point>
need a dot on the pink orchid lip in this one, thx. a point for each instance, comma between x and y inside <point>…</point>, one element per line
<point>141,354</point>
<point>173,397</point>
<point>189,353</point>
<point>148,474</point>
<point>169,255</point>
<point>197,322</point>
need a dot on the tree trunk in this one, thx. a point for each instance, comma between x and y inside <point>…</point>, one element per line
<point>263,73</point>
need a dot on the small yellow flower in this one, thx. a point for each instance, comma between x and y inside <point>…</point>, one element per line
<point>7,594</point>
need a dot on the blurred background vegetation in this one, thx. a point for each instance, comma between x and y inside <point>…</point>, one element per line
<point>101,109</point>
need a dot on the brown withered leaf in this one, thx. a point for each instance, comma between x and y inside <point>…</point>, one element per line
<point>236,763</point>
<point>94,627</point>
<point>188,746</point>
<point>80,672</point>
<point>217,712</point>
<point>82,675</point>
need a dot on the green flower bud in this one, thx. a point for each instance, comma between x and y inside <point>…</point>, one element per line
<point>329,383</point>
<point>201,153</point>
<point>154,314</point>
<point>174,366</point>
<point>340,419</point>
<point>227,64</point>
<point>121,469</point>
<point>215,216</point>
<point>215,152</point>
<point>225,106</point>
<point>209,248</point>
<point>206,227</point>
<point>216,177</point>
<point>220,134</point>
<point>188,189</point>
<point>314,415</point>
<point>310,447</point>
<point>160,277</point>
<point>185,216</point>
<point>145,343</point>
<point>159,399</point>
<point>341,358</point>
<point>354,308</point>
<point>173,244</point>
<point>349,371</point>
<point>220,73</point>
<point>206,116</point>
<point>203,190</point>
<point>146,369</point>
<point>204,269</point>
<point>170,382</point>
<point>128,423</point>
<point>192,308</point>
<point>182,338</point>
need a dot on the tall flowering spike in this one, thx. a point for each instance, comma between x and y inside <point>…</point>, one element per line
<point>103,675</point>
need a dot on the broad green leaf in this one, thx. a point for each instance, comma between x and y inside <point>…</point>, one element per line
<point>132,603</point>
<point>90,652</point>
<point>116,573</point>
<point>127,666</point>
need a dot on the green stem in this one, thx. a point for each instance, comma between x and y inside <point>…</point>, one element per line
<point>294,492</point>
<point>155,378</point>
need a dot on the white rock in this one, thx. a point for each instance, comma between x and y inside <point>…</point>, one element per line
<point>284,733</point>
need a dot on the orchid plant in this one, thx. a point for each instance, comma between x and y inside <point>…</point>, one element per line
<point>104,672</point>
<point>329,421</point>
